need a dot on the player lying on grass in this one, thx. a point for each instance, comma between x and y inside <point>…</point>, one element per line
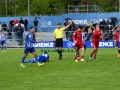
<point>79,43</point>
<point>42,58</point>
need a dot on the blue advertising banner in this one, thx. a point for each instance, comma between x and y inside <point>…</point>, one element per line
<point>70,44</point>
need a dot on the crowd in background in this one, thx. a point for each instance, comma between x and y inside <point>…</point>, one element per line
<point>105,26</point>
<point>15,29</point>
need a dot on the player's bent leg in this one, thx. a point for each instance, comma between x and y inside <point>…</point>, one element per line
<point>77,55</point>
<point>36,58</point>
<point>95,53</point>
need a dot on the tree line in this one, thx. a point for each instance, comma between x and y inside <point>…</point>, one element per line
<point>48,7</point>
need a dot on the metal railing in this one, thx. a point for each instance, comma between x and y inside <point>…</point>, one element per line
<point>84,8</point>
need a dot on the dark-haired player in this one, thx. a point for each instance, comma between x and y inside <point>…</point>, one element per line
<point>96,37</point>
<point>44,57</point>
<point>77,37</point>
<point>29,47</point>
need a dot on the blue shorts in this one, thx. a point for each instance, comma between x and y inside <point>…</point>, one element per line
<point>118,44</point>
<point>3,42</point>
<point>28,49</point>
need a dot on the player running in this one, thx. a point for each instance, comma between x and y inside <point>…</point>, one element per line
<point>77,38</point>
<point>96,37</point>
<point>42,58</point>
<point>29,47</point>
<point>3,41</point>
<point>117,38</point>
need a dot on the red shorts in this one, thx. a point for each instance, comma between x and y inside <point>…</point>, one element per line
<point>79,45</point>
<point>95,44</point>
<point>116,43</point>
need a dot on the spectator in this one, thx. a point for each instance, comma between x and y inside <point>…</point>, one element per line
<point>90,30</point>
<point>9,32</point>
<point>110,35</point>
<point>21,21</point>
<point>20,36</point>
<point>26,24</point>
<point>4,26</point>
<point>108,28</point>
<point>15,32</point>
<point>11,24</point>
<point>15,22</point>
<point>105,36</point>
<point>86,5</point>
<point>35,24</point>
<point>76,6</point>
<point>67,31</point>
<point>72,28</point>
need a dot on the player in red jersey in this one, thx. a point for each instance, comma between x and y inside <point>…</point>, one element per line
<point>77,37</point>
<point>116,38</point>
<point>96,37</point>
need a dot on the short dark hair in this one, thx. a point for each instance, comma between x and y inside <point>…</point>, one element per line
<point>31,27</point>
<point>45,52</point>
<point>80,27</point>
<point>59,24</point>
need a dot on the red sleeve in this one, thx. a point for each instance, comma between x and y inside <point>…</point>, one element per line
<point>74,36</point>
<point>115,35</point>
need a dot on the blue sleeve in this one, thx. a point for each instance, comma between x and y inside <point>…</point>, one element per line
<point>31,39</point>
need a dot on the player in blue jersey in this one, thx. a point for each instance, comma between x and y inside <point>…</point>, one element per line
<point>3,41</point>
<point>85,36</point>
<point>29,47</point>
<point>42,58</point>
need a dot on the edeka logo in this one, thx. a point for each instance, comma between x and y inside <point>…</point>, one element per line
<point>42,45</point>
<point>105,44</point>
<point>70,44</point>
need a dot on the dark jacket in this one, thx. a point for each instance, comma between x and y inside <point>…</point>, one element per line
<point>20,32</point>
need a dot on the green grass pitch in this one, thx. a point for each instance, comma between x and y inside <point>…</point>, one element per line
<point>102,74</point>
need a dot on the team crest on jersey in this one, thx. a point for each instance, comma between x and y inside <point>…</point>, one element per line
<point>29,36</point>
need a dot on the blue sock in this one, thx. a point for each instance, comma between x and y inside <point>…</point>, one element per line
<point>4,47</point>
<point>36,59</point>
<point>23,59</point>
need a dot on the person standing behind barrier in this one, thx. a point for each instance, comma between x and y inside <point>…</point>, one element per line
<point>9,32</point>
<point>4,26</point>
<point>58,38</point>
<point>35,24</point>
<point>21,21</point>
<point>26,24</point>
<point>20,35</point>
<point>11,24</point>
<point>15,32</point>
<point>3,41</point>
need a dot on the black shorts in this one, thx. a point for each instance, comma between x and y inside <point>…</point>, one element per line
<point>59,42</point>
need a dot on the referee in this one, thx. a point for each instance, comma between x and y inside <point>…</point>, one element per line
<point>58,38</point>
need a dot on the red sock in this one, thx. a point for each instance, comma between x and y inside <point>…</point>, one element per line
<point>75,58</point>
<point>92,53</point>
<point>82,57</point>
<point>94,56</point>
